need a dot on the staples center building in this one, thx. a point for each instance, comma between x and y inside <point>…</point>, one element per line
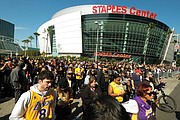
<point>105,31</point>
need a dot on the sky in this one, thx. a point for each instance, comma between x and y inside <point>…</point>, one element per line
<point>29,15</point>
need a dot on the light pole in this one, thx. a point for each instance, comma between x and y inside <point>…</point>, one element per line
<point>150,26</point>
<point>97,39</point>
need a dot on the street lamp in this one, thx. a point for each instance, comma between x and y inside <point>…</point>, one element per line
<point>97,39</point>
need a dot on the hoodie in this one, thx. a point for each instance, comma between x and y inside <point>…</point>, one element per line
<point>21,106</point>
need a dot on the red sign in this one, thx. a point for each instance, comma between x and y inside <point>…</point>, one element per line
<point>110,54</point>
<point>123,10</point>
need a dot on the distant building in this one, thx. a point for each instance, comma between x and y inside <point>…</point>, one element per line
<point>7,44</point>
<point>106,31</point>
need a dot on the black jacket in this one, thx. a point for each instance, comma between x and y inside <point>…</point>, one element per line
<point>18,79</point>
<point>88,96</point>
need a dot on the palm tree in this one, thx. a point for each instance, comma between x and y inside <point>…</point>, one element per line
<point>26,42</point>
<point>31,38</point>
<point>36,34</point>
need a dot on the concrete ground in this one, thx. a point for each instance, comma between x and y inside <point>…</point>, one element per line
<point>7,104</point>
<point>171,83</point>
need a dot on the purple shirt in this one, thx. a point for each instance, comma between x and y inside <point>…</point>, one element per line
<point>145,109</point>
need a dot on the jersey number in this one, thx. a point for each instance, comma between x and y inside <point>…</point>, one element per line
<point>42,113</point>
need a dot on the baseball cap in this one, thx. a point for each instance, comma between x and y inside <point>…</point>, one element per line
<point>138,71</point>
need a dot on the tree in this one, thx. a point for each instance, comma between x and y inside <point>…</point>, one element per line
<point>26,42</point>
<point>36,34</point>
<point>31,38</point>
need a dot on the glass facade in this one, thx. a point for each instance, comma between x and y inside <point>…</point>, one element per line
<point>7,45</point>
<point>137,36</point>
<point>6,31</point>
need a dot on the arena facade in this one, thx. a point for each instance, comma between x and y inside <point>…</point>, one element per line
<point>107,31</point>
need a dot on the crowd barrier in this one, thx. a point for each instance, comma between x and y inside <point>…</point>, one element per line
<point>168,73</point>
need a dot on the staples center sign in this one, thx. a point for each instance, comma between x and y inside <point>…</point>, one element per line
<point>123,10</point>
<point>112,54</point>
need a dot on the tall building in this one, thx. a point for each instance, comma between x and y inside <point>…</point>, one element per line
<point>106,31</point>
<point>6,30</point>
<point>7,43</point>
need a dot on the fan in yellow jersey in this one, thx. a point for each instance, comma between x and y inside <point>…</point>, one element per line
<point>39,102</point>
<point>115,88</point>
<point>79,72</point>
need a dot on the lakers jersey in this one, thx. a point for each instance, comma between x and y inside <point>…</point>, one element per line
<point>40,106</point>
<point>145,110</point>
<point>117,89</point>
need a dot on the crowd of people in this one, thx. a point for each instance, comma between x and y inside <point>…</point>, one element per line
<point>45,88</point>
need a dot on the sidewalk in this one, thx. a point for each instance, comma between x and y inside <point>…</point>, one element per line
<point>171,83</point>
<point>6,107</point>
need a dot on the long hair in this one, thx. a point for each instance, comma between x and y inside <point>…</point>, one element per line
<point>105,108</point>
<point>142,88</point>
<point>91,79</point>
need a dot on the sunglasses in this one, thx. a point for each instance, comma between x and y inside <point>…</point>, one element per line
<point>150,93</point>
<point>70,73</point>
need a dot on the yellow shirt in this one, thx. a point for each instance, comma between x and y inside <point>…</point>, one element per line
<point>79,73</point>
<point>117,89</point>
<point>40,107</point>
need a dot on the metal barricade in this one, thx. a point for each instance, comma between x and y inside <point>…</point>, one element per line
<point>167,73</point>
